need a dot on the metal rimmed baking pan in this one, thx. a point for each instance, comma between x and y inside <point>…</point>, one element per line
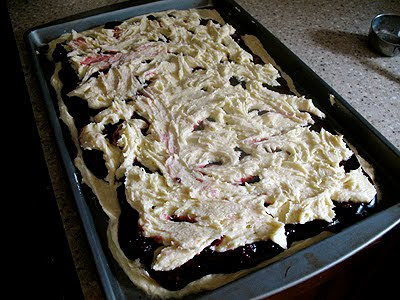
<point>342,117</point>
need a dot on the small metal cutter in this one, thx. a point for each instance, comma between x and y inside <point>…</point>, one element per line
<point>384,34</point>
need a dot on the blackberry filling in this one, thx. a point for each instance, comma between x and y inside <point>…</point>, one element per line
<point>130,237</point>
<point>282,88</point>
<point>250,179</point>
<point>298,232</point>
<point>242,153</point>
<point>137,163</point>
<point>179,219</point>
<point>204,22</point>
<point>321,123</point>
<point>77,107</point>
<point>143,130</point>
<point>238,39</point>
<point>234,82</point>
<point>197,68</point>
<point>163,38</point>
<point>67,74</point>
<point>151,18</point>
<point>79,110</point>
<point>346,213</point>
<point>214,163</point>
<point>111,132</point>
<point>213,262</point>
<point>199,126</point>
<point>95,163</point>
<point>59,53</point>
<point>351,164</point>
<point>112,24</point>
<point>135,245</point>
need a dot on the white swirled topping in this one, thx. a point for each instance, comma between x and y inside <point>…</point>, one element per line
<point>238,162</point>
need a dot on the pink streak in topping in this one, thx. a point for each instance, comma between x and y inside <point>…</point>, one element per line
<point>143,47</point>
<point>259,140</point>
<point>149,75</point>
<point>79,42</point>
<point>255,141</point>
<point>172,167</point>
<point>214,193</point>
<point>109,58</point>
<point>167,140</point>
<point>165,217</point>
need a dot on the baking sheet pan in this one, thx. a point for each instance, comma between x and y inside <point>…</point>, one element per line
<point>274,278</point>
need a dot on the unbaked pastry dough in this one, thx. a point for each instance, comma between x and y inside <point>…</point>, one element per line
<point>177,74</point>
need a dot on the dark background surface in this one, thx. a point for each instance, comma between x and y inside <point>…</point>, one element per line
<point>44,263</point>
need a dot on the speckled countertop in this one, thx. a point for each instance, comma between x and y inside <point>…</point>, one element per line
<point>329,36</point>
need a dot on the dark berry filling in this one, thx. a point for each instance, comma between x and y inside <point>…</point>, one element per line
<point>238,39</point>
<point>350,164</point>
<point>163,38</point>
<point>130,237</point>
<point>151,18</point>
<point>94,161</point>
<point>67,74</point>
<point>250,179</point>
<point>197,68</point>
<point>214,163</point>
<point>136,246</point>
<point>198,126</point>
<point>111,132</point>
<point>79,110</point>
<point>137,163</point>
<point>146,128</point>
<point>242,153</point>
<point>112,24</point>
<point>204,22</point>
<point>209,261</point>
<point>213,262</point>
<point>282,88</point>
<point>234,82</point>
<point>77,107</point>
<point>321,123</point>
<point>179,219</point>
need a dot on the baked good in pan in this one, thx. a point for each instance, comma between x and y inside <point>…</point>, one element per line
<point>206,160</point>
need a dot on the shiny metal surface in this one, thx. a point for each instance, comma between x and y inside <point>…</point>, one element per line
<point>384,34</point>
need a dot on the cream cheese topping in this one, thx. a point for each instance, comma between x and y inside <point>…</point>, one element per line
<point>206,139</point>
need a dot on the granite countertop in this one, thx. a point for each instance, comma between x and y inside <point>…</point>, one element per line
<point>329,36</point>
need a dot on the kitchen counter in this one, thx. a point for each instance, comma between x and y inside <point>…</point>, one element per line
<point>329,36</point>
